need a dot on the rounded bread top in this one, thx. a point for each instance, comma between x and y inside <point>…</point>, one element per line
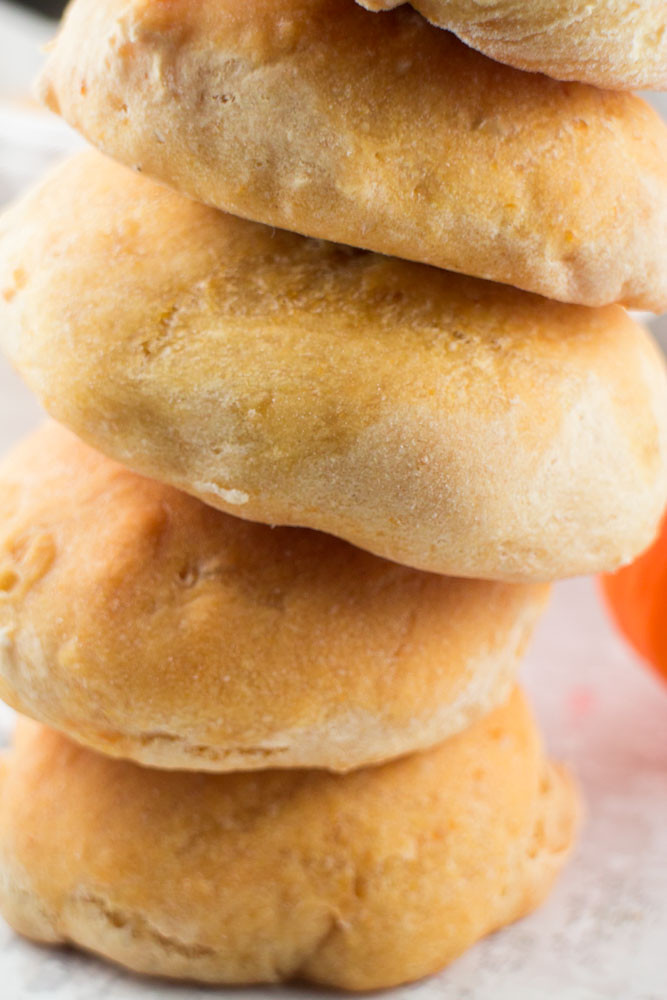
<point>358,881</point>
<point>147,625</point>
<point>380,132</point>
<point>443,422</point>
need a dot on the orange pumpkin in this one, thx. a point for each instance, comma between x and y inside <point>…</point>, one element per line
<point>636,595</point>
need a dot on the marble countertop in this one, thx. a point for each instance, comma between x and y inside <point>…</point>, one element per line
<point>603,933</point>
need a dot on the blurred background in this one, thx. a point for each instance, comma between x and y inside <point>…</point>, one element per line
<point>602,934</point>
<point>51,8</point>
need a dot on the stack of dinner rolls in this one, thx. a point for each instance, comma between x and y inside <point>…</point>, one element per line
<point>273,595</point>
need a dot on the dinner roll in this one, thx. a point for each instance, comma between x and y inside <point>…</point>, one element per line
<point>376,131</point>
<point>360,881</point>
<point>443,422</point>
<point>147,625</point>
<point>620,44</point>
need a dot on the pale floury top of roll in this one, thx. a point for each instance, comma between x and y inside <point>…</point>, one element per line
<point>377,131</point>
<point>147,625</point>
<point>440,421</point>
<point>620,44</point>
<point>360,881</point>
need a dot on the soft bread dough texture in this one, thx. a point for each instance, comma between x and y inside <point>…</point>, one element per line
<point>376,131</point>
<point>440,421</point>
<point>359,881</point>
<point>147,625</point>
<point>620,44</point>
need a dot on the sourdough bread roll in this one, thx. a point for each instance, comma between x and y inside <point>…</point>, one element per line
<point>359,881</point>
<point>147,625</point>
<point>378,132</point>
<point>620,44</point>
<point>443,422</point>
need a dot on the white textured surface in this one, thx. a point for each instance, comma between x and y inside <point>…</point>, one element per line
<point>603,934</point>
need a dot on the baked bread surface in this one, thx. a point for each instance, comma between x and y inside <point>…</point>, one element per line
<point>147,625</point>
<point>359,881</point>
<point>443,422</point>
<point>619,44</point>
<point>376,131</point>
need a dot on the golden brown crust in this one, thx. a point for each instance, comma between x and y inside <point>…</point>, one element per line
<point>619,44</point>
<point>443,422</point>
<point>359,881</point>
<point>147,625</point>
<point>382,132</point>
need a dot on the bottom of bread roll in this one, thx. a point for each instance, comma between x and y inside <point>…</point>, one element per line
<point>360,881</point>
